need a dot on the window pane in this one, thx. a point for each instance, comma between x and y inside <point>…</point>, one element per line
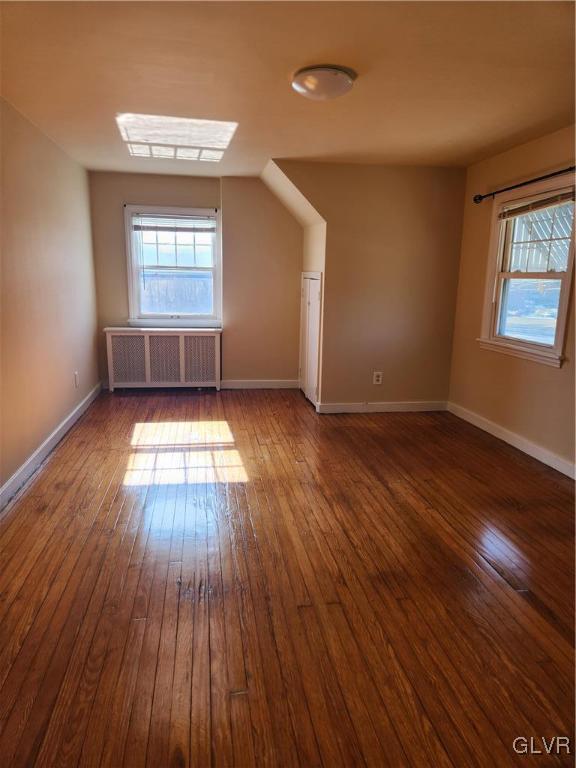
<point>540,224</point>
<point>168,238</point>
<point>203,255</point>
<point>538,257</point>
<point>166,256</point>
<point>176,293</point>
<point>559,255</point>
<point>149,254</point>
<point>529,310</point>
<point>539,240</point>
<point>185,238</point>
<point>518,257</point>
<point>185,255</point>
<point>563,220</point>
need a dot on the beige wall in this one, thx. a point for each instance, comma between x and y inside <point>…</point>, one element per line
<point>314,256</point>
<point>393,238</point>
<point>48,311</point>
<point>262,258</point>
<point>526,397</point>
<point>314,226</point>
<point>262,252</point>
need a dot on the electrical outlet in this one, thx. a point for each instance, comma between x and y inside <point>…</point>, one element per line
<point>76,379</point>
<point>377,377</point>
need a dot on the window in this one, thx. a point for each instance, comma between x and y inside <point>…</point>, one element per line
<point>530,271</point>
<point>173,266</point>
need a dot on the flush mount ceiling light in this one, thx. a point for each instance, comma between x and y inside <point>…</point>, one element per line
<point>175,138</point>
<point>323,81</point>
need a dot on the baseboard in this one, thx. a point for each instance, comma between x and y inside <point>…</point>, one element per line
<point>384,407</point>
<point>246,384</point>
<point>259,384</point>
<point>23,473</point>
<point>523,444</point>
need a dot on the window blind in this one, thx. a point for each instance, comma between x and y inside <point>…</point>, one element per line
<point>536,205</point>
<point>199,224</point>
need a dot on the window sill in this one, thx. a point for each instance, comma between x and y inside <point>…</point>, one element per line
<point>157,322</point>
<point>545,356</point>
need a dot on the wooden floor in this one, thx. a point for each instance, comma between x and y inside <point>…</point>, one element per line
<point>230,579</point>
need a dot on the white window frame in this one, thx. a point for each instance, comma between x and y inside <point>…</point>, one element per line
<point>138,318</point>
<point>490,338</point>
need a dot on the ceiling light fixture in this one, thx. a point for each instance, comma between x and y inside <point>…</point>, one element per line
<point>323,81</point>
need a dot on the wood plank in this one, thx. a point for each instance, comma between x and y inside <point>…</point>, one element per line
<point>229,579</point>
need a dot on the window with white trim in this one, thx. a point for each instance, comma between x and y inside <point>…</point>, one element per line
<point>530,272</point>
<point>174,266</point>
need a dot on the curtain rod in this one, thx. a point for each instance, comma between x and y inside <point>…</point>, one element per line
<point>479,198</point>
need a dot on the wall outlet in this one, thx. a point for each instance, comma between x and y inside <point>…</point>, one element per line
<point>377,377</point>
<point>76,379</point>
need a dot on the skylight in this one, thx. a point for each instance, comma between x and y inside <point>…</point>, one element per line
<point>175,138</point>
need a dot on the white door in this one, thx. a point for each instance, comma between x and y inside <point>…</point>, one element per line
<point>310,336</point>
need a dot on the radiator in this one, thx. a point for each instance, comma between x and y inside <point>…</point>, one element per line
<point>163,357</point>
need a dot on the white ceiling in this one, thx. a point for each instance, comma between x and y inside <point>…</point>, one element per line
<point>439,83</point>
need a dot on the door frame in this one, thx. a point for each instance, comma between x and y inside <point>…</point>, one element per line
<point>310,275</point>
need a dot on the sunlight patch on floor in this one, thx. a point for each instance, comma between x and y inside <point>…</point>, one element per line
<point>176,433</point>
<point>183,453</point>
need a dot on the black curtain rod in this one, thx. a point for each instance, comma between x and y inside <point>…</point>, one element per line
<point>479,198</point>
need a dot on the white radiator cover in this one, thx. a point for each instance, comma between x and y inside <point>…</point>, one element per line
<point>163,357</point>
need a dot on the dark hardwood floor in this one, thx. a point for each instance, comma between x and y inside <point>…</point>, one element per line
<point>230,579</point>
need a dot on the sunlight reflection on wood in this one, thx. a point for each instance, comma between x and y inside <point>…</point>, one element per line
<point>176,433</point>
<point>185,468</point>
<point>188,453</point>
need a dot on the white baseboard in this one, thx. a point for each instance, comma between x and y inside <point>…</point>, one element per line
<point>23,473</point>
<point>259,384</point>
<point>241,384</point>
<point>522,443</point>
<point>384,407</point>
